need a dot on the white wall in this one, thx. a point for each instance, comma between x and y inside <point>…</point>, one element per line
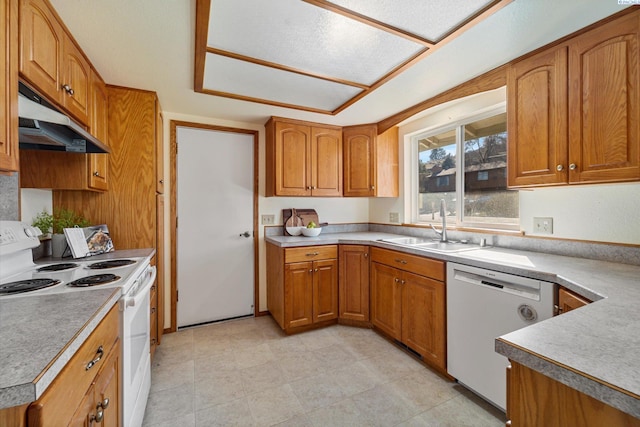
<point>33,201</point>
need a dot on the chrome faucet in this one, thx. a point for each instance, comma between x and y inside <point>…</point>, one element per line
<point>443,215</point>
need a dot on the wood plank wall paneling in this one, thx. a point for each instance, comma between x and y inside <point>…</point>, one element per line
<point>129,207</point>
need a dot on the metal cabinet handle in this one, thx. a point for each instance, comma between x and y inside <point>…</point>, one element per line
<point>366,255</point>
<point>162,181</point>
<point>401,261</point>
<point>373,187</point>
<point>99,354</point>
<point>315,270</point>
<point>98,417</point>
<point>573,166</point>
<point>402,282</point>
<point>396,280</point>
<point>153,310</point>
<point>559,168</point>
<point>96,173</point>
<point>311,270</point>
<point>68,89</point>
<point>313,254</point>
<point>104,404</point>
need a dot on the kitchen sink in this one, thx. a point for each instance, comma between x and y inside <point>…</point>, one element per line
<point>432,245</point>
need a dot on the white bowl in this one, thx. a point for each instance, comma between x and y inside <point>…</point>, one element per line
<point>295,231</point>
<point>311,232</point>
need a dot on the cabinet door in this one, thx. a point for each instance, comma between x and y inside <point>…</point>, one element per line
<point>604,102</point>
<point>292,167</point>
<point>76,81</point>
<point>423,317</point>
<point>107,390</point>
<point>359,161</point>
<point>386,299</point>
<point>326,162</point>
<point>86,412</point>
<point>9,86</point>
<point>325,290</point>
<point>568,301</point>
<point>99,127</point>
<point>354,282</point>
<point>41,44</point>
<point>537,119</point>
<point>298,294</point>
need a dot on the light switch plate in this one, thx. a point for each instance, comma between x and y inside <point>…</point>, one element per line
<point>543,225</point>
<point>268,219</point>
<point>394,217</point>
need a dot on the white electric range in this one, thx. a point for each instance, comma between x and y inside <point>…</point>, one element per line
<point>20,277</point>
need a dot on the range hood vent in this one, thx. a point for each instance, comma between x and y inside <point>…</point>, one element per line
<point>43,128</point>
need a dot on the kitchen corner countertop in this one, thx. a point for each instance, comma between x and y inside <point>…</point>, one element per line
<point>40,333</point>
<point>594,349</point>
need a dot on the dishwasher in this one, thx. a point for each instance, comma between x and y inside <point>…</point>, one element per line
<point>482,305</point>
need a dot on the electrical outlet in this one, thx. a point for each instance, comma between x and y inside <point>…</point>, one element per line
<point>394,217</point>
<point>268,219</point>
<point>543,225</point>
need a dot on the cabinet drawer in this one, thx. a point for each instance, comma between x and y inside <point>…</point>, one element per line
<point>310,253</point>
<point>412,263</point>
<point>58,404</point>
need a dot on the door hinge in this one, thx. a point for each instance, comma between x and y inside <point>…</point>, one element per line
<point>177,295</point>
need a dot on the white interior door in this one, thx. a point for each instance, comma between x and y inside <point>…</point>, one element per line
<point>215,262</point>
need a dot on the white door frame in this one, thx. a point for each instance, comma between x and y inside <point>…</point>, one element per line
<point>173,220</point>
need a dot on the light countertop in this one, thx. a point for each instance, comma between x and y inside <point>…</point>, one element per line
<point>594,349</point>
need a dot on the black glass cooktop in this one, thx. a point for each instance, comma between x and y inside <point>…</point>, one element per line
<point>26,286</point>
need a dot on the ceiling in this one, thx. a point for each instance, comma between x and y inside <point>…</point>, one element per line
<point>150,45</point>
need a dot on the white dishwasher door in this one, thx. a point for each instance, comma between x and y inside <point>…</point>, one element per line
<point>481,306</point>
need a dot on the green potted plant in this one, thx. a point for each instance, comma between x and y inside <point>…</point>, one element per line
<point>55,224</point>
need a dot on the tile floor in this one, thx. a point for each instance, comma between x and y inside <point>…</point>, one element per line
<point>248,373</point>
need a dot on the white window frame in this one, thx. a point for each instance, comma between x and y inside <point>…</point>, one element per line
<point>414,161</point>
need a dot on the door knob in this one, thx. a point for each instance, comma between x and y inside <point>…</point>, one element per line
<point>245,234</point>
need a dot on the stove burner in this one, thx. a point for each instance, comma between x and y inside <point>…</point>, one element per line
<point>26,286</point>
<point>110,264</point>
<point>98,279</point>
<point>57,267</point>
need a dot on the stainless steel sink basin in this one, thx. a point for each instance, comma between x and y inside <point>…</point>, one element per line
<point>432,245</point>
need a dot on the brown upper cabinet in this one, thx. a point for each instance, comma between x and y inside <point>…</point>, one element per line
<point>9,86</point>
<point>303,159</point>
<point>370,162</point>
<point>51,61</point>
<point>99,127</point>
<point>573,110</point>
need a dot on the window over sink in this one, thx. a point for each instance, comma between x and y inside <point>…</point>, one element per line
<point>465,163</point>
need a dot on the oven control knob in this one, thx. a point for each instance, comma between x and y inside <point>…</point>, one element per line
<point>32,231</point>
<point>527,313</point>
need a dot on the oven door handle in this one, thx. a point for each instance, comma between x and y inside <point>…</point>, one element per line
<point>132,301</point>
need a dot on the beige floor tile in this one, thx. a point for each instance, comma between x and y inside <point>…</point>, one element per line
<point>176,375</point>
<point>231,414</point>
<point>300,365</point>
<point>262,377</point>
<point>342,414</point>
<point>317,391</point>
<point>188,420</point>
<point>222,388</point>
<point>355,378</point>
<point>248,372</point>
<point>382,407</point>
<point>253,355</point>
<point>274,406</point>
<point>170,404</point>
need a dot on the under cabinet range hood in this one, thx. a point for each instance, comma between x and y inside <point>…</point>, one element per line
<point>43,128</point>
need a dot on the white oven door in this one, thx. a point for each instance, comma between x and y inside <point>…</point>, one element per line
<point>136,363</point>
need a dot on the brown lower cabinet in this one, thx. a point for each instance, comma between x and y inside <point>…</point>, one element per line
<point>568,300</point>
<point>353,295</point>
<point>533,399</point>
<point>410,307</point>
<point>302,286</point>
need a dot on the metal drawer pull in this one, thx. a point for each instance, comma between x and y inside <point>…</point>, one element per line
<point>401,261</point>
<point>313,254</point>
<point>98,417</point>
<point>396,280</point>
<point>104,404</point>
<point>99,355</point>
<point>315,269</point>
<point>96,173</point>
